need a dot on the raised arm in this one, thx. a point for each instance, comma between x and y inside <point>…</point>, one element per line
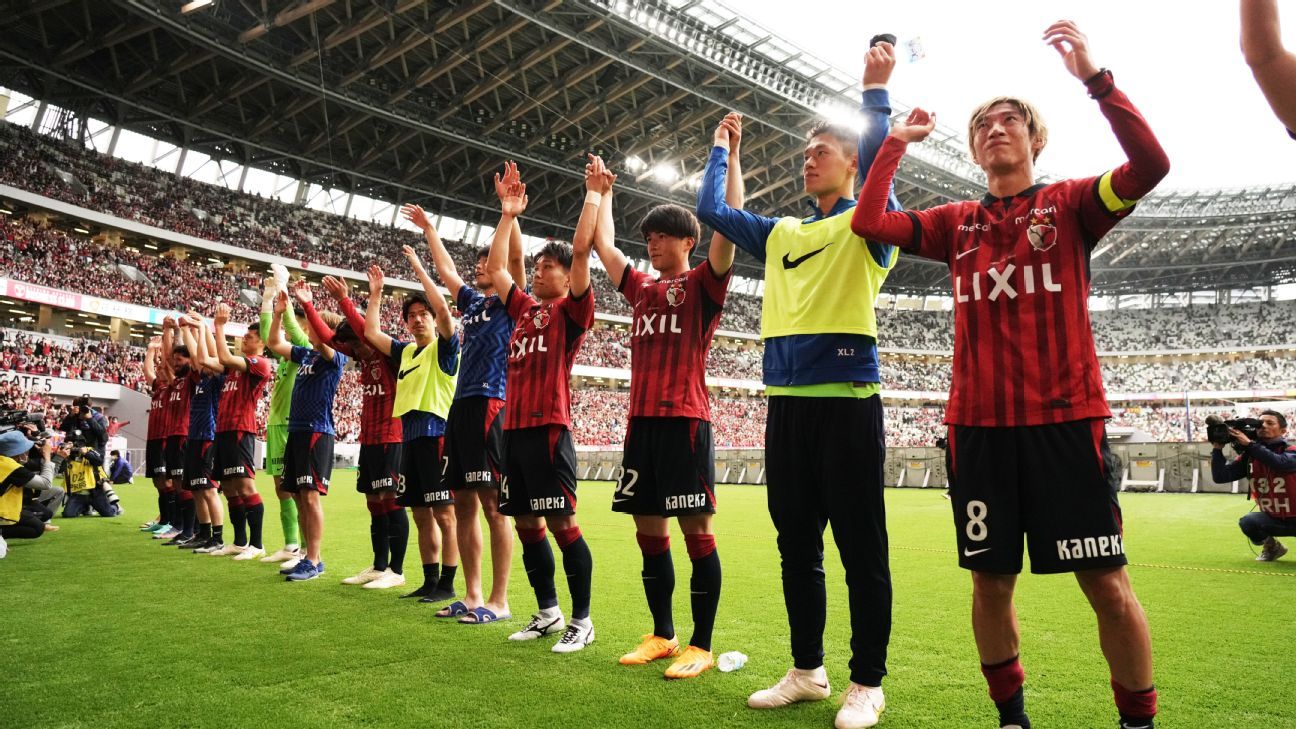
<point>746,230</point>
<point>201,354</point>
<point>1273,66</point>
<point>373,313</point>
<point>583,238</point>
<point>614,261</point>
<point>340,291</point>
<point>324,334</point>
<point>168,345</point>
<point>223,353</point>
<point>440,309</point>
<point>441,259</point>
<point>209,349</point>
<point>512,204</point>
<point>516,260</point>
<point>276,341</point>
<point>1147,162</point>
<point>871,219</point>
<point>190,341</point>
<point>721,253</point>
<point>150,360</point>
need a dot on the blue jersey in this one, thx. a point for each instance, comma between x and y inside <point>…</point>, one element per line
<point>202,406</point>
<point>487,328</point>
<point>312,394</point>
<point>417,423</point>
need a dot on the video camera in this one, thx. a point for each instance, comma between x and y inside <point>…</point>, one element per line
<point>15,419</point>
<point>1217,429</point>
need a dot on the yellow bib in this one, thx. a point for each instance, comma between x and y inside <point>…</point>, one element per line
<point>11,499</point>
<point>421,384</point>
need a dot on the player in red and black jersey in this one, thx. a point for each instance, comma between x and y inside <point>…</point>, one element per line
<point>1027,449</point>
<point>178,395</point>
<point>669,464</point>
<point>380,441</point>
<point>539,484</point>
<point>246,376</point>
<point>158,374</point>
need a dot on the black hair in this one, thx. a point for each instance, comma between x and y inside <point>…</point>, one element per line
<point>672,220</point>
<point>415,298</point>
<point>483,252</point>
<point>845,137</point>
<point>115,453</point>
<point>255,327</point>
<point>560,252</point>
<point>1282,419</point>
<point>180,349</point>
<point>344,334</point>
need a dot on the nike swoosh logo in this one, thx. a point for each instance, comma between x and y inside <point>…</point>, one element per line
<point>964,253</point>
<point>789,264</point>
<point>402,374</point>
<point>973,552</point>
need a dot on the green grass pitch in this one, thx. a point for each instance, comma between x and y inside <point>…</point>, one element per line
<point>108,629</point>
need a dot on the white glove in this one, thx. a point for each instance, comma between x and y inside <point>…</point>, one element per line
<point>280,275</point>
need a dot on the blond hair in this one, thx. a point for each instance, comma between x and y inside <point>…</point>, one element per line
<point>1034,122</point>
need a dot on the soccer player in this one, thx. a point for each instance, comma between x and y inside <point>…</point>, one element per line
<point>308,455</point>
<point>669,464</point>
<point>1273,66</point>
<point>158,376</point>
<point>539,484</point>
<point>380,442</point>
<point>823,438</point>
<point>474,432</point>
<point>246,376</point>
<point>200,453</point>
<point>179,392</point>
<point>281,389</point>
<point>1027,448</point>
<point>425,383</point>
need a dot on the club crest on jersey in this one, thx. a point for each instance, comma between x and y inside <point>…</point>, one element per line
<point>1041,232</point>
<point>675,294</point>
<point>541,319</point>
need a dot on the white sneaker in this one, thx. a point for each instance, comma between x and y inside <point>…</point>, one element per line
<point>385,580</point>
<point>545,622</point>
<point>368,575</point>
<point>797,685</point>
<point>283,555</point>
<point>861,706</point>
<point>227,550</point>
<point>4,548</point>
<point>290,565</point>
<point>248,554</point>
<point>579,633</point>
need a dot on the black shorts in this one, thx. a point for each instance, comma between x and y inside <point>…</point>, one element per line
<point>155,458</point>
<point>235,450</point>
<point>668,468</point>
<point>380,468</point>
<point>308,462</point>
<point>422,464</point>
<point>474,443</point>
<point>539,472</point>
<point>200,465</point>
<point>175,456</point>
<point>1055,484</point>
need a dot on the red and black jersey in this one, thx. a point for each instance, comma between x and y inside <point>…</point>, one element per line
<point>1273,490</point>
<point>542,351</point>
<point>177,403</point>
<point>237,411</point>
<point>378,381</point>
<point>1023,344</point>
<point>158,412</point>
<point>671,330</point>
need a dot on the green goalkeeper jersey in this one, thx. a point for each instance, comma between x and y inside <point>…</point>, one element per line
<point>281,387</point>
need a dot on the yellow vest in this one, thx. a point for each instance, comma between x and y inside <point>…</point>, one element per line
<point>820,278</point>
<point>80,476</point>
<point>421,384</point>
<point>11,499</point>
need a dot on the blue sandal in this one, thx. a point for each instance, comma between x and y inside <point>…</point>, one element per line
<point>453,610</point>
<point>483,615</point>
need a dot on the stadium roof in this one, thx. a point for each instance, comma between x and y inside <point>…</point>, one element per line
<point>415,100</point>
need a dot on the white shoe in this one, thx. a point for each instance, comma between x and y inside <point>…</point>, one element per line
<point>545,622</point>
<point>368,575</point>
<point>861,706</point>
<point>4,548</point>
<point>797,685</point>
<point>289,566</point>
<point>283,555</point>
<point>579,633</point>
<point>248,554</point>
<point>227,550</point>
<point>385,580</point>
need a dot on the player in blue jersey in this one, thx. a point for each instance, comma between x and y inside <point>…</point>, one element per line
<point>474,433</point>
<point>200,450</point>
<point>308,458</point>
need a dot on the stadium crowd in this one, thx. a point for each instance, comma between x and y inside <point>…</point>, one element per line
<point>78,359</point>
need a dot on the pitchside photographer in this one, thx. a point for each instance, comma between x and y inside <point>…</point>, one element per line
<point>1269,463</point>
<point>21,515</point>
<point>83,467</point>
<point>84,422</point>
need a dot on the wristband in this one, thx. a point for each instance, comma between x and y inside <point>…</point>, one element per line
<point>593,197</point>
<point>1103,81</point>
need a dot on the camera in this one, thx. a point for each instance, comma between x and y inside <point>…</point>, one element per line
<point>1217,429</point>
<point>32,424</point>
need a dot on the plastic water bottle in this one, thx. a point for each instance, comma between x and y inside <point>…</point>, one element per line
<point>731,661</point>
